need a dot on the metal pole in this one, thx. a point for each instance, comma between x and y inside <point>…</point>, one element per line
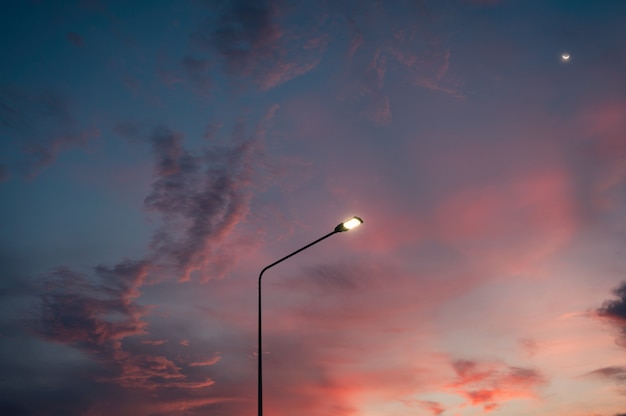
<point>260,356</point>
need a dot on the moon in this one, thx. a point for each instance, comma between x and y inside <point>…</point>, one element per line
<point>565,57</point>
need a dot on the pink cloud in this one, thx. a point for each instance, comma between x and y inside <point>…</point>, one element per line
<point>491,384</point>
<point>603,127</point>
<point>211,361</point>
<point>435,408</point>
<point>155,342</point>
<point>512,225</point>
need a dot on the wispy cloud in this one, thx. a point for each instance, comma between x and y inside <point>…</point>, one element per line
<point>97,317</point>
<point>615,374</point>
<point>200,197</point>
<point>491,384</point>
<point>211,361</point>
<point>75,38</point>
<point>39,125</point>
<point>252,39</point>
<point>411,48</point>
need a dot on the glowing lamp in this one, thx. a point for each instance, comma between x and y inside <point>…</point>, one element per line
<point>349,224</point>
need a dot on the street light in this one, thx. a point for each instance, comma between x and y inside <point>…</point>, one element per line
<point>344,226</point>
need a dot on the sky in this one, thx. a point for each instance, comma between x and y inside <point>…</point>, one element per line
<point>155,156</point>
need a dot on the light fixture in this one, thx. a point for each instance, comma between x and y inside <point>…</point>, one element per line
<point>349,224</point>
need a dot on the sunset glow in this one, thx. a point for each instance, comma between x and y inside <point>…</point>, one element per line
<point>155,156</point>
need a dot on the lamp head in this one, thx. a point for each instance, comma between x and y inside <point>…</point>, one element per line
<point>349,224</point>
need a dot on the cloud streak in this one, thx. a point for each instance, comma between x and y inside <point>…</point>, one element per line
<point>491,384</point>
<point>54,130</point>
<point>252,39</point>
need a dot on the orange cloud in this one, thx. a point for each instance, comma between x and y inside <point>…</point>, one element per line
<point>490,384</point>
<point>211,361</point>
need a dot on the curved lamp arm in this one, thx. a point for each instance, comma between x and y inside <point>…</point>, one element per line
<point>344,226</point>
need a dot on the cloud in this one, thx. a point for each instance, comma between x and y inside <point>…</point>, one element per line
<point>530,346</point>
<point>483,2</point>
<point>155,342</point>
<point>4,173</point>
<point>385,48</point>
<point>198,71</point>
<point>246,33</point>
<point>74,311</point>
<point>614,311</point>
<point>616,374</point>
<point>252,39</point>
<point>211,361</point>
<point>491,384</point>
<point>477,219</point>
<point>201,199</point>
<point>603,126</point>
<point>159,406</point>
<point>75,38</point>
<point>39,125</point>
<point>95,314</point>
<point>330,332</point>
<point>435,408</point>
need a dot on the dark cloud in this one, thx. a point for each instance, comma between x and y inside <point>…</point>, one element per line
<point>245,34</point>
<point>59,401</point>
<point>201,198</point>
<point>75,38</point>
<point>96,315</point>
<point>615,374</point>
<point>59,376</point>
<point>253,39</point>
<point>614,311</point>
<point>39,124</point>
<point>93,313</point>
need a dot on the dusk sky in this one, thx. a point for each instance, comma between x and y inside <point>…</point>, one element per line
<point>156,155</point>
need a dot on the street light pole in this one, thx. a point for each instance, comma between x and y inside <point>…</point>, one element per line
<point>344,226</point>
